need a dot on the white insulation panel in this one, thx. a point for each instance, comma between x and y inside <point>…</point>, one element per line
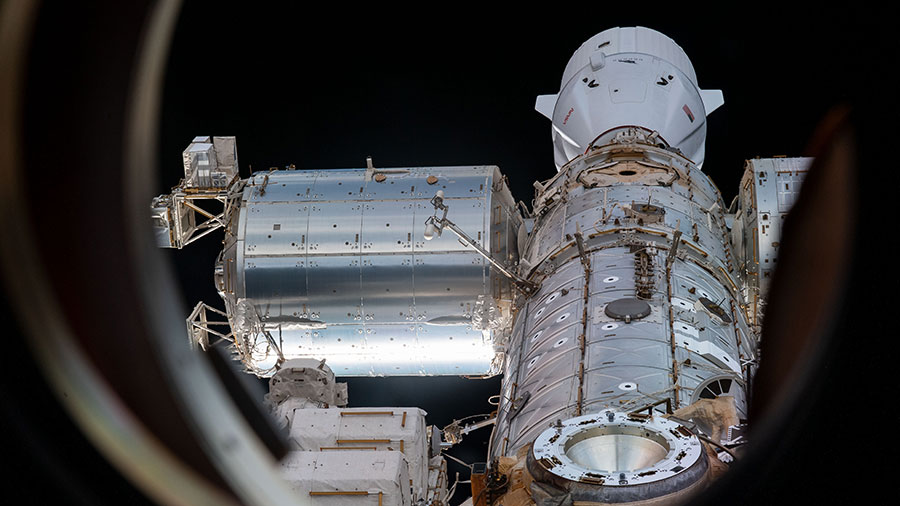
<point>401,430</point>
<point>349,477</point>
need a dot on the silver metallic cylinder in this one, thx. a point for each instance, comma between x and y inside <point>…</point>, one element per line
<point>334,263</point>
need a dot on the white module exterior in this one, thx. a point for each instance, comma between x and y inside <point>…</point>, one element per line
<point>769,188</point>
<point>628,77</point>
<point>400,430</point>
<point>629,40</point>
<point>352,456</point>
<point>348,478</point>
<point>210,162</point>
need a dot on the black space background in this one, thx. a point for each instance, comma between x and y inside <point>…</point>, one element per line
<point>439,84</point>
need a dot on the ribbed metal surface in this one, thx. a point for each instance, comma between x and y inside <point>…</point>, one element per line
<point>567,355</point>
<point>769,188</point>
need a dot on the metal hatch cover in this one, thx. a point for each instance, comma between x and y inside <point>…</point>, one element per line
<point>627,309</point>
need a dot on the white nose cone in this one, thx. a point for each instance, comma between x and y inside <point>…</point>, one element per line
<point>628,77</point>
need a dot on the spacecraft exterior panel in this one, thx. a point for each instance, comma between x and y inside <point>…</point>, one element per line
<point>351,455</point>
<point>333,264</point>
<point>345,478</point>
<point>628,90</point>
<point>401,430</point>
<point>768,190</point>
<point>210,162</point>
<point>683,248</point>
<point>629,40</point>
<point>628,76</point>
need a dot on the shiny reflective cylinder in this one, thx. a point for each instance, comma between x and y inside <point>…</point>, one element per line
<point>334,264</point>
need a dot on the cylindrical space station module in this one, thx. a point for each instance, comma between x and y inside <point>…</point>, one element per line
<point>333,264</point>
<point>622,309</point>
<point>638,313</point>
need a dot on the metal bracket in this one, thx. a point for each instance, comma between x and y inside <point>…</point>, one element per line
<point>180,214</point>
<point>199,326</point>
<point>454,432</point>
<point>676,239</point>
<point>579,241</point>
<point>435,225</point>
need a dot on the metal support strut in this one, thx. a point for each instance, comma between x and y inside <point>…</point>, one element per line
<point>436,225</point>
